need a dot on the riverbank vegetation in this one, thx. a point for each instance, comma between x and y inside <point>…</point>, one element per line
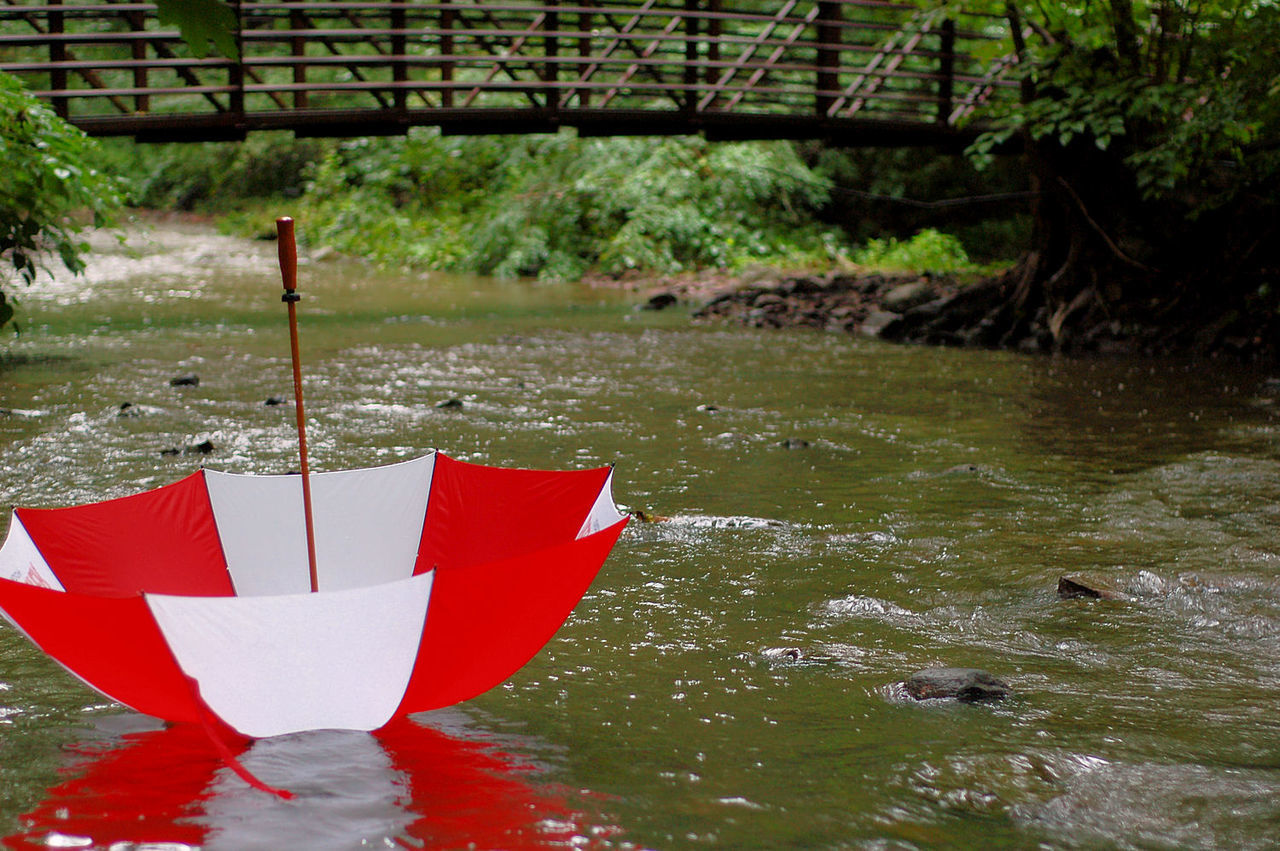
<point>560,207</point>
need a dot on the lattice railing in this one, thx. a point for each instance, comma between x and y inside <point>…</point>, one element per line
<point>334,66</point>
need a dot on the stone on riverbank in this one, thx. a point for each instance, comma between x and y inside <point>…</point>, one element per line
<point>838,302</point>
<point>903,297</point>
<point>968,685</point>
<point>939,310</point>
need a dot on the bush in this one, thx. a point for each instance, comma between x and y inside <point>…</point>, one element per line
<point>49,179</point>
<point>214,176</point>
<point>557,206</point>
<point>927,251</point>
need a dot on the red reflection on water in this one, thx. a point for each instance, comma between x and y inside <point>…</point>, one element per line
<point>415,785</point>
<point>140,791</point>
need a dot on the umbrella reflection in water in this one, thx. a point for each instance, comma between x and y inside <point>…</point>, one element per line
<point>423,782</point>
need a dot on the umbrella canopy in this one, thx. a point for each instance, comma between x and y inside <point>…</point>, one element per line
<point>437,580</point>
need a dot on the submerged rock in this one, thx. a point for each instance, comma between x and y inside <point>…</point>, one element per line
<point>272,401</point>
<point>185,381</point>
<point>204,447</point>
<point>785,654</point>
<point>648,516</point>
<point>132,409</point>
<point>1076,586</point>
<point>450,404</point>
<point>969,685</point>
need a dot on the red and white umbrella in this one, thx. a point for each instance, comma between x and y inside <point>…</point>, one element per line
<point>277,604</point>
<point>437,580</point>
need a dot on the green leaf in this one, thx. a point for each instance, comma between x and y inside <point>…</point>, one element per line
<point>201,23</point>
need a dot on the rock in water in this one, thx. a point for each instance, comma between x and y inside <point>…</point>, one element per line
<point>1073,587</point>
<point>202,448</point>
<point>185,381</point>
<point>661,301</point>
<point>966,684</point>
<point>648,516</point>
<point>784,654</point>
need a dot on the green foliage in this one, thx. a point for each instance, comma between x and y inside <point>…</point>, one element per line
<point>881,193</point>
<point>214,176</point>
<point>557,206</point>
<point>49,179</point>
<point>202,23</point>
<point>927,251</point>
<point>1182,92</point>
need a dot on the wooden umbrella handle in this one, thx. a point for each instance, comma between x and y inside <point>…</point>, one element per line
<point>288,248</point>
<point>289,274</point>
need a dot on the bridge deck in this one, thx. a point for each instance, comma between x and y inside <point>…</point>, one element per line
<point>856,71</point>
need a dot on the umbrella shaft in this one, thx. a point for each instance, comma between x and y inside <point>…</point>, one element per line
<point>302,444</point>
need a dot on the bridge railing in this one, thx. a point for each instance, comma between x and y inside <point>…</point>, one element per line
<point>353,67</point>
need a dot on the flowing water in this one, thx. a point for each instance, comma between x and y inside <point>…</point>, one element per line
<point>837,513</point>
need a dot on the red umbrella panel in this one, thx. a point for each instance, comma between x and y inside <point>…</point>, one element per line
<point>437,580</point>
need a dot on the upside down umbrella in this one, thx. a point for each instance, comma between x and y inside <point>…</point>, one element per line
<point>281,603</point>
<point>438,579</point>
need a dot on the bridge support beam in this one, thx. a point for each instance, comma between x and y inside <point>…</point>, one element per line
<point>946,71</point>
<point>830,34</point>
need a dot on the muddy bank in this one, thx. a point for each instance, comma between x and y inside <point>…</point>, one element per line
<point>940,310</point>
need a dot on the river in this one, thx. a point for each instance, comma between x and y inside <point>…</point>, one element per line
<point>837,514</point>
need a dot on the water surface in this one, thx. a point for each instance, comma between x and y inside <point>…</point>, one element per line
<point>838,513</point>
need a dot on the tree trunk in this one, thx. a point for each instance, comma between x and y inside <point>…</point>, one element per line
<point>1110,271</point>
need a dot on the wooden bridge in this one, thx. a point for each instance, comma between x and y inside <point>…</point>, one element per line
<point>854,72</point>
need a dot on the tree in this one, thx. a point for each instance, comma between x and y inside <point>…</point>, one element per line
<point>50,188</point>
<point>1153,131</point>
